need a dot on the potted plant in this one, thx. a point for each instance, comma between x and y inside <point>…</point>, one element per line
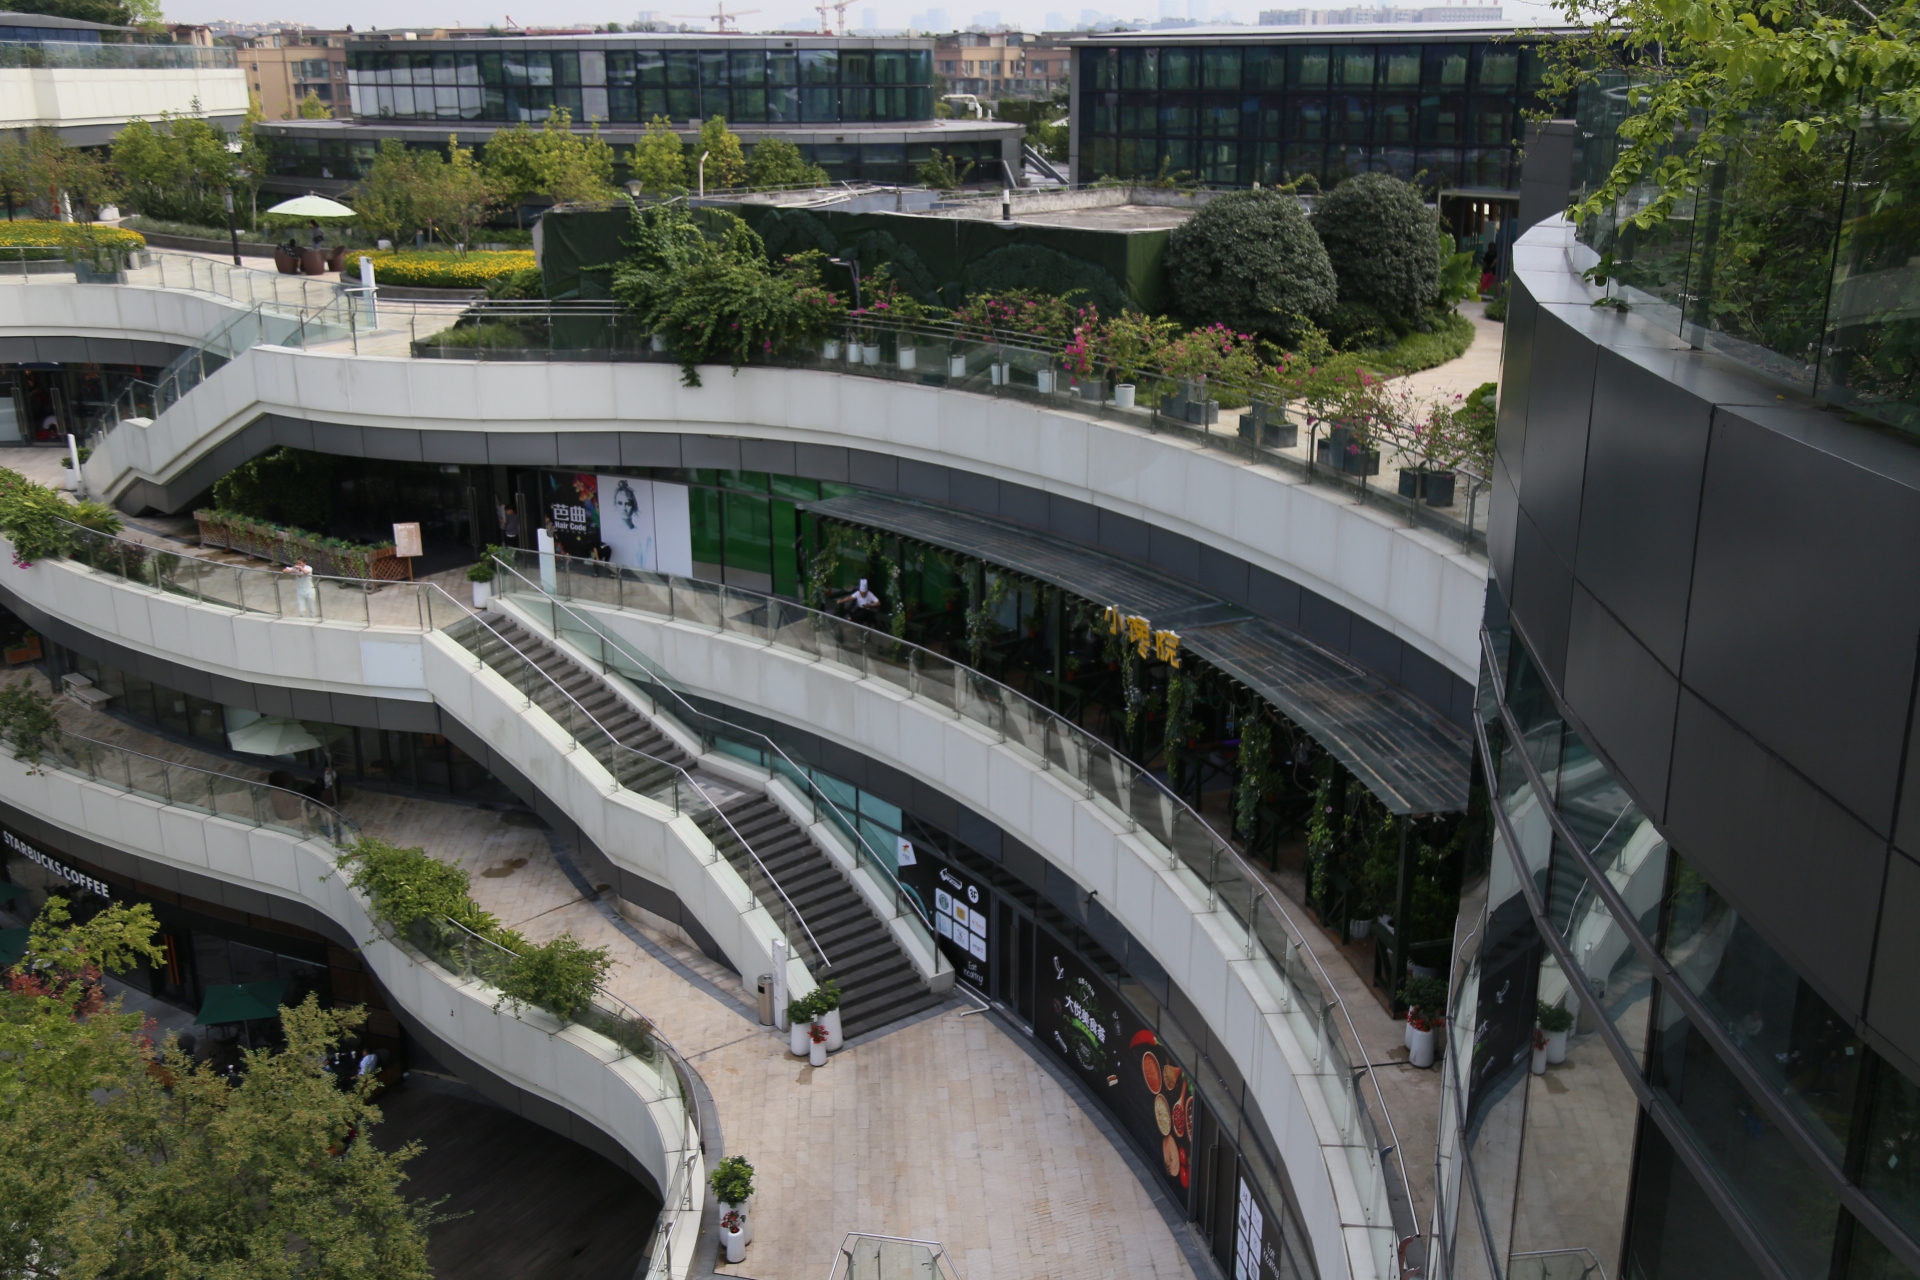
<point>830,349</point>
<point>481,573</point>
<point>733,1237</point>
<point>817,1044</point>
<point>799,1019</point>
<point>826,1010</point>
<point>1556,1020</point>
<point>732,1182</point>
<point>1539,1066</point>
<point>1426,1000</point>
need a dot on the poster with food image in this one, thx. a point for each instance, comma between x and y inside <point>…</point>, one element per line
<point>1085,1020</point>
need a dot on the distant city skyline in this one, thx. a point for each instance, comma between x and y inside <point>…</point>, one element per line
<point>771,15</point>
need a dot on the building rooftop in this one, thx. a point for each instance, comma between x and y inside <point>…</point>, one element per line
<point>11,19</point>
<point>1331,34</point>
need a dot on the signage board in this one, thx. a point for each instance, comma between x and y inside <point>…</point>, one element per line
<point>406,540</point>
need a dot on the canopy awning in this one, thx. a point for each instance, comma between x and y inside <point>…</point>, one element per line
<point>240,1002</point>
<point>9,890</point>
<point>1410,759</point>
<point>13,945</point>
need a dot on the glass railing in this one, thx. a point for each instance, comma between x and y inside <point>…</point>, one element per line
<point>667,697</point>
<point>87,56</point>
<point>1798,262</point>
<point>1271,429</point>
<point>1310,1002</point>
<point>870,1257</point>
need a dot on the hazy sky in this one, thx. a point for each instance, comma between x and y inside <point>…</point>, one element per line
<point>942,15</point>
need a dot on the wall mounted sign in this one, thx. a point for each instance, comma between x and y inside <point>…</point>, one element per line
<point>58,868</point>
<point>1161,645</point>
<point>962,907</point>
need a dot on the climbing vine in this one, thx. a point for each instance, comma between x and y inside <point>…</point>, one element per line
<point>1180,691</point>
<point>1256,771</point>
<point>980,619</point>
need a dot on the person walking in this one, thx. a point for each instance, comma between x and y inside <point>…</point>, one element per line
<point>510,527</point>
<point>305,598</point>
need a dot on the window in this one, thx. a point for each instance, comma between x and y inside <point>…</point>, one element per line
<point>1353,66</point>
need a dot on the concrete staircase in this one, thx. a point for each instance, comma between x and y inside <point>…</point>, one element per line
<point>878,982</point>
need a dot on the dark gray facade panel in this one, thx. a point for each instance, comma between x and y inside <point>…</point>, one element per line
<point>587,448</point>
<point>1906,831</point>
<point>1503,520</point>
<point>1625,698</point>
<point>1428,681</point>
<point>394,443</point>
<point>1541,598</point>
<point>1225,575</point>
<point>1461,709</point>
<point>873,470</point>
<point>334,437</point>
<point>1803,617</point>
<point>1326,623</point>
<point>406,716</point>
<point>924,480</point>
<point>936,806</point>
<point>1516,374</point>
<point>271,700</point>
<point>522,448</point>
<point>649,449</point>
<point>1559,407</point>
<point>1802,870</point>
<point>295,433</point>
<point>1174,552</point>
<point>721,452</point>
<point>468,448</point>
<point>776,457</point>
<point>353,708</point>
<point>1646,457</point>
<point>1125,536</point>
<point>1071,518</point>
<point>820,462</point>
<point>1273,596</point>
<point>1380,651</point>
<point>1891,1008</point>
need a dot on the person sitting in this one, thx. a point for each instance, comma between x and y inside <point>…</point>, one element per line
<point>862,605</point>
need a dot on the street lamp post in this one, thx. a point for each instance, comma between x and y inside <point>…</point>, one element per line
<point>233,231</point>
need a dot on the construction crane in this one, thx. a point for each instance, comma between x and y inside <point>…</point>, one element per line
<point>719,17</point>
<point>839,8</point>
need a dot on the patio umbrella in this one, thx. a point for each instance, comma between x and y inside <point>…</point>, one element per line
<point>313,207</point>
<point>240,1002</point>
<point>272,736</point>
<point>13,945</point>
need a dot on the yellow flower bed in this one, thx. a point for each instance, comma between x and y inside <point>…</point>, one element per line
<point>447,270</point>
<point>30,232</point>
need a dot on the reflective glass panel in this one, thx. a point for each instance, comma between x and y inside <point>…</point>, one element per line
<point>1890,1171</point>
<point>1676,1233</point>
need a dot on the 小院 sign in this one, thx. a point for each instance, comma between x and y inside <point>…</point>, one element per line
<point>1148,643</point>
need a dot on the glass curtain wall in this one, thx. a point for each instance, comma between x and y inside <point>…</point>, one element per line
<point>610,83</point>
<point>1444,114</point>
<point>1638,1084</point>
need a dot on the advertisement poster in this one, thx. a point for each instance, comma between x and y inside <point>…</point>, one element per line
<point>572,510</point>
<point>1118,1056</point>
<point>626,521</point>
<point>1256,1241</point>
<point>961,909</point>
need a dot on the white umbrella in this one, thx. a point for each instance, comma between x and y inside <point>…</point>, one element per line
<point>272,736</point>
<point>313,207</point>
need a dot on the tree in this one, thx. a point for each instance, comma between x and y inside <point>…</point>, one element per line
<point>455,195</point>
<point>179,168</point>
<point>551,161</point>
<point>1250,260</point>
<point>36,167</point>
<point>125,1158</point>
<point>1381,238</point>
<point>775,162</point>
<point>939,172</point>
<point>726,162</point>
<point>659,161</point>
<point>311,108</point>
<point>386,198</point>
<point>118,13</point>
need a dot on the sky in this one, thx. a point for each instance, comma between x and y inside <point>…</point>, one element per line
<point>757,15</point>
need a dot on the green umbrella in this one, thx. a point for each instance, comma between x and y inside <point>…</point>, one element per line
<point>240,1002</point>
<point>13,945</point>
<point>9,890</point>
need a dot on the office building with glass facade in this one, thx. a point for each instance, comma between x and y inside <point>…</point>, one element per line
<point>1229,107</point>
<point>860,108</point>
<point>1682,1040</point>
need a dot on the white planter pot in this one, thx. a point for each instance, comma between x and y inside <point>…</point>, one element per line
<point>746,1221</point>
<point>909,357</point>
<point>1419,1046</point>
<point>736,1245</point>
<point>797,1039</point>
<point>834,1038</point>
<point>1358,929</point>
<point>956,366</point>
<point>817,1052</point>
<point>482,592</point>
<point>830,349</point>
<point>870,352</point>
<point>1046,379</point>
<point>1123,395</point>
<point>1408,1027</point>
<point>1002,374</point>
<point>1539,1062</point>
<point>1556,1047</point>
<point>68,480</point>
<point>658,343</point>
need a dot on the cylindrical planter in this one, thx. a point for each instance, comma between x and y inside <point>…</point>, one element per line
<point>956,366</point>
<point>658,343</point>
<point>834,1038</point>
<point>1556,1047</point>
<point>1044,380</point>
<point>909,356</point>
<point>830,349</point>
<point>817,1052</point>
<point>736,1245</point>
<point>68,480</point>
<point>1358,929</point>
<point>1539,1062</point>
<point>797,1039</point>
<point>746,1221</point>
<point>482,592</point>
<point>1420,1051</point>
<point>1123,395</point>
<point>1002,373</point>
<point>1407,1026</point>
<point>870,352</point>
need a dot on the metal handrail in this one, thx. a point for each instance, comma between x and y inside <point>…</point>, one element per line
<point>664,680</point>
<point>937,1252</point>
<point>683,772</point>
<point>1252,878</point>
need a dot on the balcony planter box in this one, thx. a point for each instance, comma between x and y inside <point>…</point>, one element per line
<point>1434,486</point>
<point>1266,425</point>
<point>1189,404</point>
<point>830,349</point>
<point>909,357</point>
<point>283,546</point>
<point>1339,453</point>
<point>956,366</point>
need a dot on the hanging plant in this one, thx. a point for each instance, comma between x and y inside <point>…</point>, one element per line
<point>1256,771</point>
<point>980,623</point>
<point>897,620</point>
<point>1180,690</point>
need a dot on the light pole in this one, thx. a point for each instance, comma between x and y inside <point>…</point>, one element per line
<point>233,231</point>
<point>703,173</point>
<point>851,264</point>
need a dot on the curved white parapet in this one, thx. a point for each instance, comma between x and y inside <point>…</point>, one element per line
<point>636,833</point>
<point>1415,585</point>
<point>39,308</point>
<point>636,1103</point>
<point>1203,949</point>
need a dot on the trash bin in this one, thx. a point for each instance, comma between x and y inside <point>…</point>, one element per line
<point>766,999</point>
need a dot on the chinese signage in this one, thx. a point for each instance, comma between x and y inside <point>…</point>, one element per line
<point>1161,645</point>
<point>58,868</point>
<point>1118,1056</point>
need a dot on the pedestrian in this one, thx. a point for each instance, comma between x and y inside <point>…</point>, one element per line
<point>510,526</point>
<point>319,237</point>
<point>369,1063</point>
<point>862,603</point>
<point>305,599</point>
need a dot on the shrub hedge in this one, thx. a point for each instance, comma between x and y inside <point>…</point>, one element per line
<point>1250,260</point>
<point>57,240</point>
<point>447,270</point>
<point>1382,241</point>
